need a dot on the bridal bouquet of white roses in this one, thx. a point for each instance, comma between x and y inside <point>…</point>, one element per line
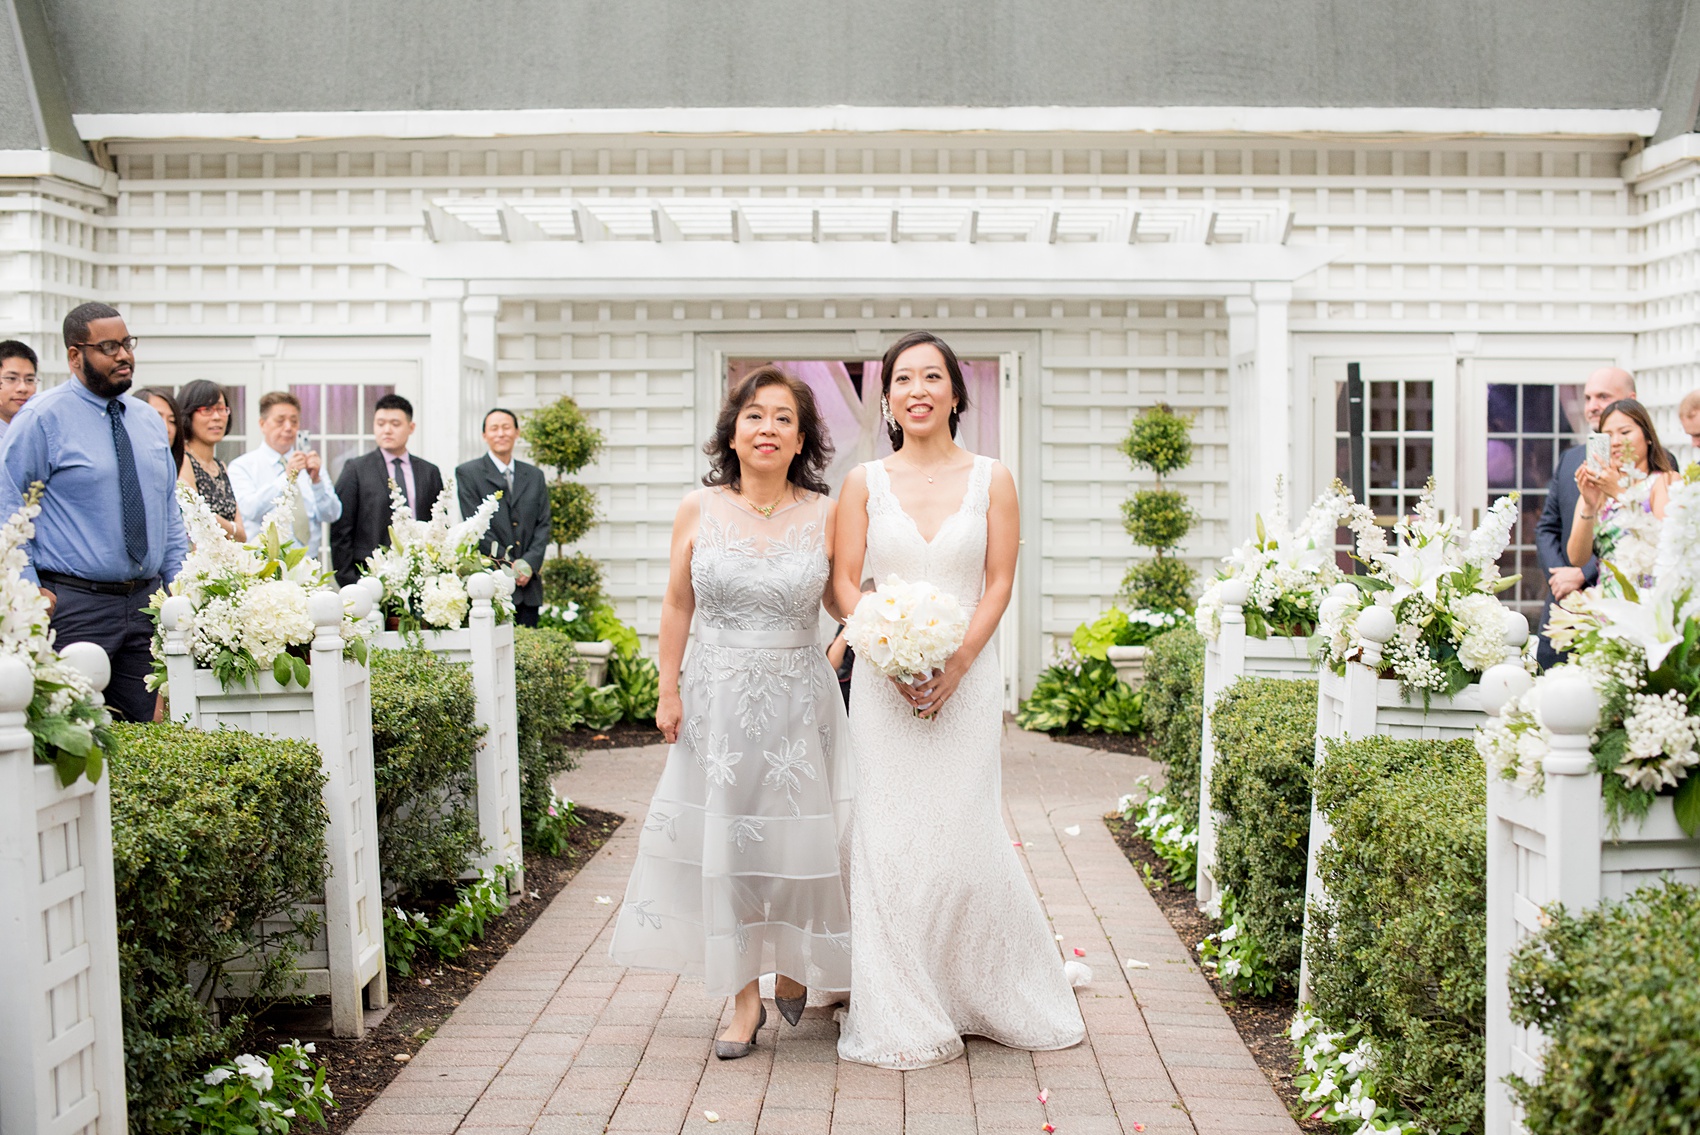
<point>906,630</point>
<point>424,570</point>
<point>248,601</point>
<point>1441,584</point>
<point>72,730</point>
<point>1642,654</point>
<point>1287,572</point>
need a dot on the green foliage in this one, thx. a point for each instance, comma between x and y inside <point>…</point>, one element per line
<point>1159,583</point>
<point>211,832</point>
<point>1157,518</point>
<point>1616,990</point>
<point>1174,714</point>
<point>1081,693</point>
<point>1167,833</point>
<point>561,438</point>
<point>1401,946</point>
<point>639,683</point>
<point>599,707</point>
<point>1237,955</point>
<point>405,935</point>
<point>462,923</point>
<point>1117,627</point>
<point>554,827</point>
<point>424,740</point>
<point>547,678</point>
<point>573,511</point>
<point>573,579</point>
<point>1160,440</point>
<point>1265,734</point>
<point>251,1095</point>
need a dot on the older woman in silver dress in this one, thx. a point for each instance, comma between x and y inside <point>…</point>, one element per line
<point>738,869</point>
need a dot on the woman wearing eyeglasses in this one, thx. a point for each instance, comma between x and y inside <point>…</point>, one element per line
<point>204,415</point>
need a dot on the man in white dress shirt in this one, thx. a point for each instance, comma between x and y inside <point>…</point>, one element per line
<point>1689,414</point>
<point>257,476</point>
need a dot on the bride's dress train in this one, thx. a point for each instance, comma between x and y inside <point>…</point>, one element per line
<point>947,936</point>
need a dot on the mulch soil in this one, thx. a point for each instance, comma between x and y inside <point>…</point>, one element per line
<point>1131,743</point>
<point>626,735</point>
<point>1262,1021</point>
<point>358,1070</point>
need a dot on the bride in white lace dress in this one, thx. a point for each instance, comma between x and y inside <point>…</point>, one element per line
<point>948,938</point>
<point>738,871</point>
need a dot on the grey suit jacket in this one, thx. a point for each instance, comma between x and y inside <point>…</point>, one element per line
<point>520,528</point>
<point>1552,533</point>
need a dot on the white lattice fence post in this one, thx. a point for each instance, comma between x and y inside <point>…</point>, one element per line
<point>342,724</point>
<point>1356,718</point>
<point>497,759</point>
<point>1224,662</point>
<point>61,1027</point>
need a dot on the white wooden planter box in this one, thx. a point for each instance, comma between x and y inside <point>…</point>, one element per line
<point>1231,656</point>
<point>1129,662</point>
<point>1361,704</point>
<point>595,656</point>
<point>335,713</point>
<point>61,1027</point>
<point>487,648</point>
<point>1557,847</point>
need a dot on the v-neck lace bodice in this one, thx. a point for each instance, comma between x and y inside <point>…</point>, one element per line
<point>954,560</point>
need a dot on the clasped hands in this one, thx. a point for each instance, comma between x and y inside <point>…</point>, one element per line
<point>929,693</point>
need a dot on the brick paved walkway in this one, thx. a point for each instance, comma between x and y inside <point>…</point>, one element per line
<point>558,1041</point>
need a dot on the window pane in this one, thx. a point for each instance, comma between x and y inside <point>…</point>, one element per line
<point>1343,459</point>
<point>1537,461</point>
<point>1501,463</point>
<point>342,410</point>
<point>1384,463</point>
<point>1538,409</point>
<point>337,454</point>
<point>1419,406</point>
<point>237,398</point>
<point>310,401</point>
<point>1419,462</point>
<point>1383,406</point>
<point>1501,408</point>
<point>1385,506</point>
<point>1342,409</point>
<point>371,396</point>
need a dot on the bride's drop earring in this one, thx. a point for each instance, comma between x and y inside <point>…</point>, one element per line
<point>885,412</point>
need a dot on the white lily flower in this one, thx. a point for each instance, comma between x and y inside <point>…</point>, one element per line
<point>1417,570</point>
<point>1652,624</point>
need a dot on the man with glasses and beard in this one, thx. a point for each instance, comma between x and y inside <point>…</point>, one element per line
<point>110,532</point>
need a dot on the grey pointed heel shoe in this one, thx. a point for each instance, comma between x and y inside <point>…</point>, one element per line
<point>738,1049</point>
<point>791,1008</point>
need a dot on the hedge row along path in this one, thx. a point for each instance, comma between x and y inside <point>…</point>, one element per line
<point>558,1041</point>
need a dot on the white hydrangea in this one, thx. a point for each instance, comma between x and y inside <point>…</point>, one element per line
<point>1662,738</point>
<point>443,600</point>
<point>274,617</point>
<point>1481,620</point>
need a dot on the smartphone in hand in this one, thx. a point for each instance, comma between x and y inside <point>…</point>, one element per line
<point>1599,452</point>
<point>304,442</point>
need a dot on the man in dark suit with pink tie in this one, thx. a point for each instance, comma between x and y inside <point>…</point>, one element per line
<point>364,488</point>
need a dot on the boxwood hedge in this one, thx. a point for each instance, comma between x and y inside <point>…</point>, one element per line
<point>1265,734</point>
<point>1401,945</point>
<point>211,832</point>
<point>547,675</point>
<point>1174,714</point>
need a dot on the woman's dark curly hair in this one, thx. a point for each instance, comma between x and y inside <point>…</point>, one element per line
<point>952,367</point>
<point>807,468</point>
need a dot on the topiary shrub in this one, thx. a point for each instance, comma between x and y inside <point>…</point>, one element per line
<point>1159,518</point>
<point>1174,715</point>
<point>1401,946</point>
<point>1616,990</point>
<point>424,744</point>
<point>561,438</point>
<point>1265,733</point>
<point>547,677</point>
<point>574,579</point>
<point>210,833</point>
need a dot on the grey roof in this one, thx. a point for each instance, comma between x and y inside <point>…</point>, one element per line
<point>244,55</point>
<point>34,113</point>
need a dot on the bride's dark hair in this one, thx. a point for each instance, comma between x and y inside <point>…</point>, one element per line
<point>958,386</point>
<point>807,468</point>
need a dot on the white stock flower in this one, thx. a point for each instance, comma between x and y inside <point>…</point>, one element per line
<point>1662,737</point>
<point>1677,564</point>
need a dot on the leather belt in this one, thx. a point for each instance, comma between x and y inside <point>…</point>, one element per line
<point>54,579</point>
<point>737,639</point>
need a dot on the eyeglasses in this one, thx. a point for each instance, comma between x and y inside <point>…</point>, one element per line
<point>218,411</point>
<point>18,379</point>
<point>111,347</point>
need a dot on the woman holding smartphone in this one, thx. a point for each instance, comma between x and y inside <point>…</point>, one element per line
<point>1622,501</point>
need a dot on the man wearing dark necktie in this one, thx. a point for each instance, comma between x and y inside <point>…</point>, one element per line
<point>364,488</point>
<point>519,532</point>
<point>110,533</point>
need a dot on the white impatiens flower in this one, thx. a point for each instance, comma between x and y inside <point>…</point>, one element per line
<point>1662,738</point>
<point>217,1076</point>
<point>256,1069</point>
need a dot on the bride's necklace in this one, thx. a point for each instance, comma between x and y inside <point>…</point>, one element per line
<point>936,468</point>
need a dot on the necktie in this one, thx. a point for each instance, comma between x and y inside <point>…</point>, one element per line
<point>129,488</point>
<point>508,474</point>
<point>400,479</point>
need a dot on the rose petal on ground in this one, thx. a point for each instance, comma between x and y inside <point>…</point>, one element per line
<point>1044,1095</point>
<point>1079,953</point>
<point>1059,937</point>
<point>711,1116</point>
<point>1015,843</point>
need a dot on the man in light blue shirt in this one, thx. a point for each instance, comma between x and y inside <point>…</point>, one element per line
<point>257,476</point>
<point>110,532</point>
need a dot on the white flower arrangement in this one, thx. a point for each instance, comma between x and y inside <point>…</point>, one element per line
<point>425,568</point>
<point>1337,1079</point>
<point>1439,582</point>
<point>1287,572</point>
<point>248,601</point>
<point>71,727</point>
<point>1641,652</point>
<point>906,630</point>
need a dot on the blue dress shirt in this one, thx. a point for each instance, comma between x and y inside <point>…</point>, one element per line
<point>63,439</point>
